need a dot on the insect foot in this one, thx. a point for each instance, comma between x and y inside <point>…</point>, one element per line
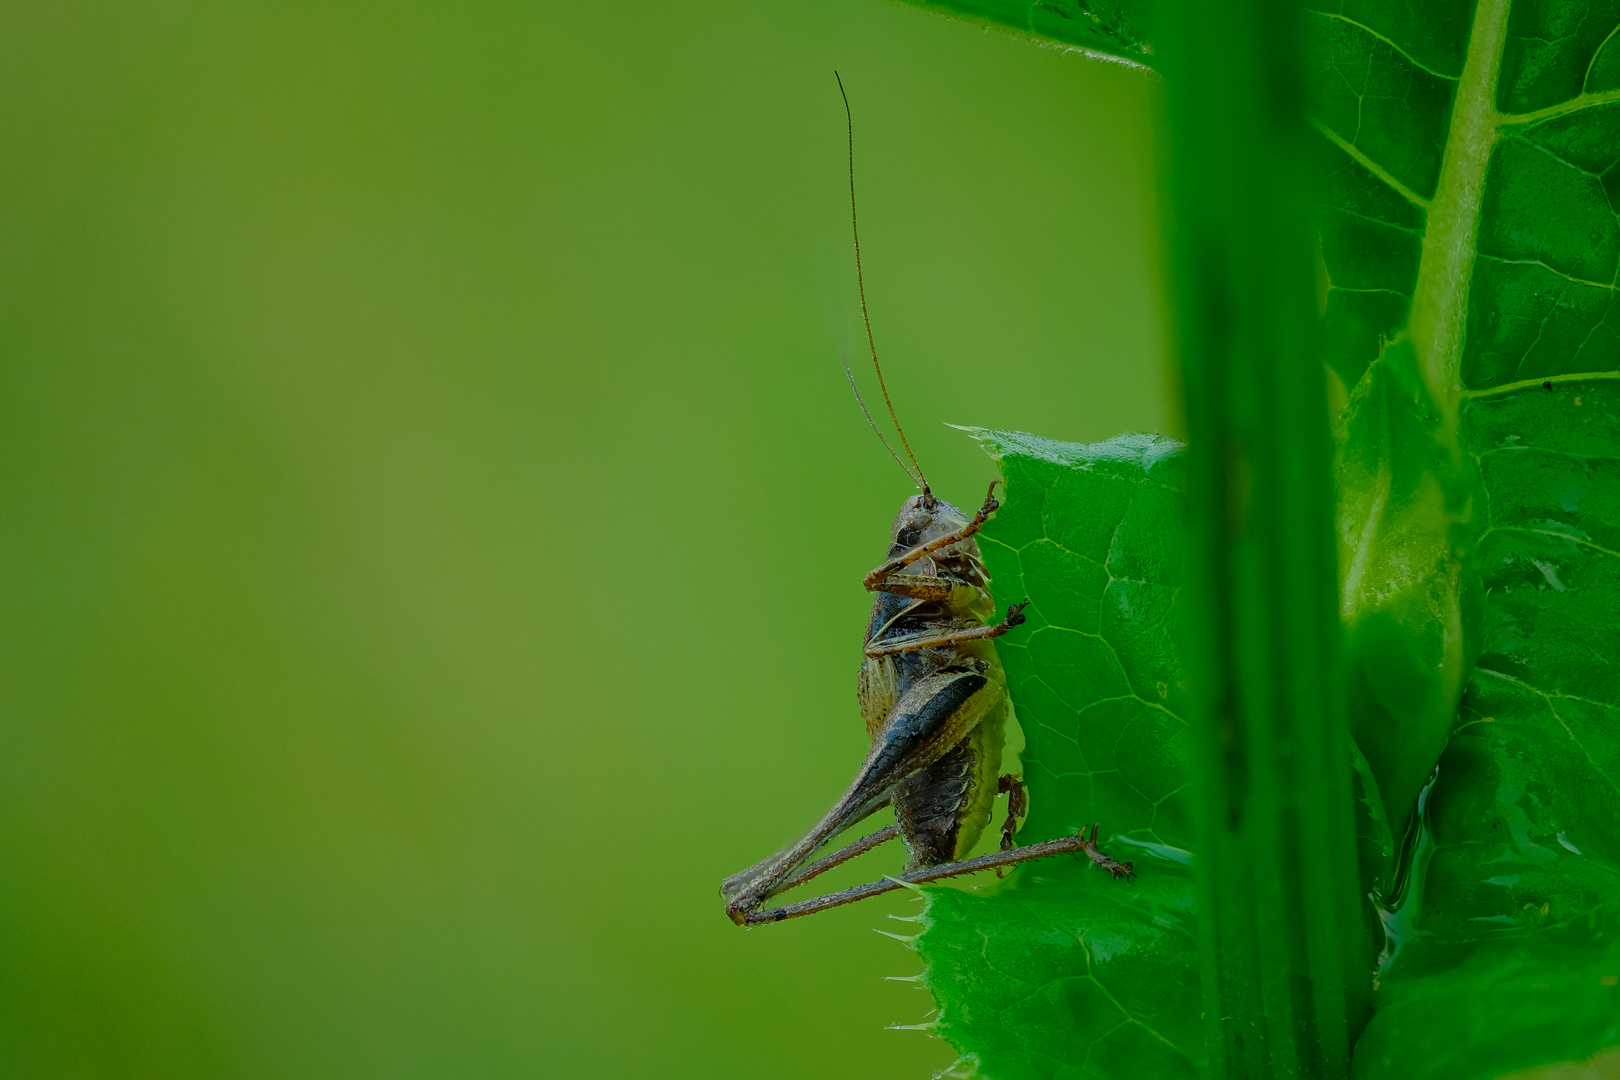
<point>1102,859</point>
<point>991,503</point>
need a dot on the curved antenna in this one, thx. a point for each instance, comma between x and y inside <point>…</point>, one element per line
<point>877,430</point>
<point>860,281</point>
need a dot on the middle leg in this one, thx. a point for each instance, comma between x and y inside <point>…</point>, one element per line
<point>1015,617</point>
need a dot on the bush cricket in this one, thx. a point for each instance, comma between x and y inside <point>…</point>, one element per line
<point>934,697</point>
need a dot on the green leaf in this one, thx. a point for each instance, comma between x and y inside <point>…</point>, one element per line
<point>1507,1007</point>
<point>1467,178</point>
<point>1469,248</point>
<point>1120,28</point>
<point>1511,948</point>
<point>1062,967</point>
<point>1067,976</point>
<point>1510,278</point>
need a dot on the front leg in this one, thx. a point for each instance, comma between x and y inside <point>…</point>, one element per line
<point>875,580</point>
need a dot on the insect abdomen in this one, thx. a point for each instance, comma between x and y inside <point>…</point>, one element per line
<point>942,809</point>
<point>926,805</point>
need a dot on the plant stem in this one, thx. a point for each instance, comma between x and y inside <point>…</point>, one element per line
<point>1286,967</point>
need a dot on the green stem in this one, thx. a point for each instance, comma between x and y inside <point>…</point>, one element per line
<point>1285,960</point>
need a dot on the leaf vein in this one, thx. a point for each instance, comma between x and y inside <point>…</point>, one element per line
<point>1527,384</point>
<point>1360,158</point>
<point>1408,57</point>
<point>1547,266</point>
<point>1563,108</point>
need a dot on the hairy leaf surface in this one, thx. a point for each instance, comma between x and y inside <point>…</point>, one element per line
<point>1064,967</point>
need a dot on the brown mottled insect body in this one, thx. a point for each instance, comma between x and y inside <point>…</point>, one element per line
<point>934,697</point>
<point>933,693</point>
<point>943,807</point>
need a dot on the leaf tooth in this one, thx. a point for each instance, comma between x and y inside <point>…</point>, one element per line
<point>909,942</point>
<point>965,1067</point>
<point>931,1025</point>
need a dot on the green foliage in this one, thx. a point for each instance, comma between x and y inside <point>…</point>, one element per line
<point>1033,997</point>
<point>1543,300</point>
<point>1508,1006</point>
<point>1063,964</point>
<point>1500,949</point>
<point>1084,539</point>
<point>1466,176</point>
<point>1512,953</point>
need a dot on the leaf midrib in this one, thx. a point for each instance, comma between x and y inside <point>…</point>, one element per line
<point>1440,298</point>
<point>1526,384</point>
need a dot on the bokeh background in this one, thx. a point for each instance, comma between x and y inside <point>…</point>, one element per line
<point>432,513</point>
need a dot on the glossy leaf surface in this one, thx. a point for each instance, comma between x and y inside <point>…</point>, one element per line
<point>1518,914</point>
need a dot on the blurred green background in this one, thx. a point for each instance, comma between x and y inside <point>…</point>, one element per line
<point>434,514</point>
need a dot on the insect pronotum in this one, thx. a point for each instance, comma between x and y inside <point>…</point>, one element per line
<point>934,697</point>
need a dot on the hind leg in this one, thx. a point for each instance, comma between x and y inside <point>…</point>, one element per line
<point>1080,843</point>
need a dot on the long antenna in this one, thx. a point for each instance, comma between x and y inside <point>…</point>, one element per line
<point>877,430</point>
<point>860,281</point>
